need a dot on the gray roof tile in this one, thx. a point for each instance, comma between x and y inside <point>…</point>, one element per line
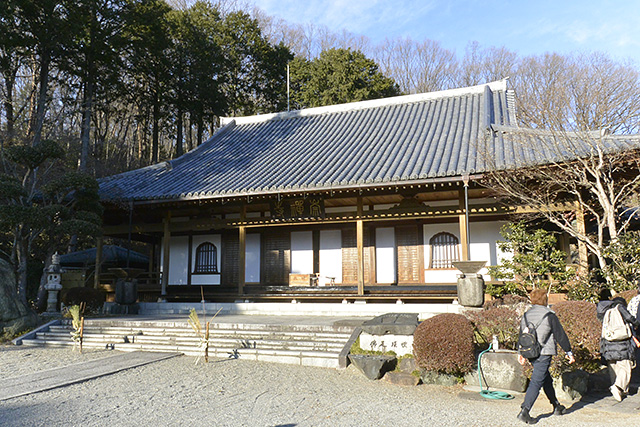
<point>387,141</point>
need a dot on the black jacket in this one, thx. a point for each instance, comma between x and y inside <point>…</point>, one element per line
<point>617,350</point>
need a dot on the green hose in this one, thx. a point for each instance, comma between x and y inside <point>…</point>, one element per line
<point>486,393</point>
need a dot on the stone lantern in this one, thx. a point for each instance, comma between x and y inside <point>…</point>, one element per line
<point>53,285</point>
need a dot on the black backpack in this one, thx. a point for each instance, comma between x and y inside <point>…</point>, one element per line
<point>528,345</point>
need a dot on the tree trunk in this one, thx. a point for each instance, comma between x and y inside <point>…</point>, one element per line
<point>22,257</point>
<point>179,136</point>
<point>85,132</point>
<point>9,83</point>
<point>199,131</point>
<point>156,124</point>
<point>36,132</point>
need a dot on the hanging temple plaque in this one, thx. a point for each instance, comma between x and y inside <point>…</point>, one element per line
<point>308,207</point>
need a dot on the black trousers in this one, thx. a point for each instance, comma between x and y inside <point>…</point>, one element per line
<point>540,379</point>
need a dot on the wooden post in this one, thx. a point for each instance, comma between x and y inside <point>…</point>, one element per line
<point>360,247</point>
<point>206,348</point>
<point>242,251</point>
<point>165,255</point>
<point>242,258</point>
<point>81,332</point>
<point>464,226</point>
<point>96,270</point>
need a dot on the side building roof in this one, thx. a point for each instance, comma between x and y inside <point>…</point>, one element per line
<point>413,138</point>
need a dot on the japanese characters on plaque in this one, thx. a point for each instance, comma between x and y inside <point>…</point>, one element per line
<point>308,207</point>
<point>399,344</point>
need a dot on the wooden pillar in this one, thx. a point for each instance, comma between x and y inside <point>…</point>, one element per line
<point>464,226</point>
<point>165,255</point>
<point>242,258</point>
<point>96,271</point>
<point>360,247</point>
<point>152,254</point>
<point>583,253</point>
<point>242,251</point>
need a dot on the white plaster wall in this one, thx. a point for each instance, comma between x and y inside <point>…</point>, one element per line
<point>385,255</point>
<point>482,247</point>
<point>483,243</point>
<point>252,257</point>
<point>302,252</point>
<point>178,259</point>
<point>330,256</point>
<point>205,279</point>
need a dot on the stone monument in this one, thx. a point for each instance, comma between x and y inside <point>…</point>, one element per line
<point>53,285</point>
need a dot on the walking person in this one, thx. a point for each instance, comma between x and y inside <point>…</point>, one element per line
<point>618,351</point>
<point>549,333</point>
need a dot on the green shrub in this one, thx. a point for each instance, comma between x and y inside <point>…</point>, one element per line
<point>579,321</point>
<point>535,261</point>
<point>623,266</point>
<point>502,322</point>
<point>444,343</point>
<point>93,298</point>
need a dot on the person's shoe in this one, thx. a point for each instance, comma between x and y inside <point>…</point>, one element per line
<point>525,417</point>
<point>615,391</point>
<point>559,409</point>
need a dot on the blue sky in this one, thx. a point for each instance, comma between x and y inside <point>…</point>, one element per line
<point>527,27</point>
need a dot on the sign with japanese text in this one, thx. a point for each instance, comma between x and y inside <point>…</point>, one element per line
<point>308,207</point>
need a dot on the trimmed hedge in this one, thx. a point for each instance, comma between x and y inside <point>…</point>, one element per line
<point>500,321</point>
<point>444,343</point>
<point>578,318</point>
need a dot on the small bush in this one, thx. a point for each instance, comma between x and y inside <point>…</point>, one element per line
<point>444,343</point>
<point>93,298</point>
<point>583,328</point>
<point>500,321</point>
<point>584,288</point>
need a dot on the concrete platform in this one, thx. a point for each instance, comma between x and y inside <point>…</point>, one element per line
<point>60,377</point>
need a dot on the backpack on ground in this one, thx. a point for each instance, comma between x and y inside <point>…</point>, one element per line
<point>614,328</point>
<point>528,345</point>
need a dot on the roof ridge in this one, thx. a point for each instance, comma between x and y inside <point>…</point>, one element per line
<point>374,103</point>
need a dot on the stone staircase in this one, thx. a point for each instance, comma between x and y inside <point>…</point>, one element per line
<point>306,345</point>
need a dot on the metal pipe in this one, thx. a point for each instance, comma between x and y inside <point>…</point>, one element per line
<point>465,179</point>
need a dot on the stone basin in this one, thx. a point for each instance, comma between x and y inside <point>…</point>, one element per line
<point>469,267</point>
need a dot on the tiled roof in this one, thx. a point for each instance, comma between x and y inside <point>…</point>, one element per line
<point>388,141</point>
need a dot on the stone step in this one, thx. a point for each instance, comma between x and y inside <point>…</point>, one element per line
<point>244,334</point>
<point>183,323</point>
<point>327,359</point>
<point>230,342</point>
<point>308,345</point>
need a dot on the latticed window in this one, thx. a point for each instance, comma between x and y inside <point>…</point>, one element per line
<point>206,258</point>
<point>444,250</point>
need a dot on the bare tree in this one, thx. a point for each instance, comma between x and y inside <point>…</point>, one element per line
<point>540,86</point>
<point>482,65</point>
<point>417,66</point>
<point>568,178</point>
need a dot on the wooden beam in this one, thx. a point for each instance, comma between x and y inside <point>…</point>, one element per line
<point>462,221</point>
<point>165,255</point>
<point>96,271</point>
<point>360,247</point>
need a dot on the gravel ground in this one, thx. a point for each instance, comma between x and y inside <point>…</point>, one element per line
<point>228,392</point>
